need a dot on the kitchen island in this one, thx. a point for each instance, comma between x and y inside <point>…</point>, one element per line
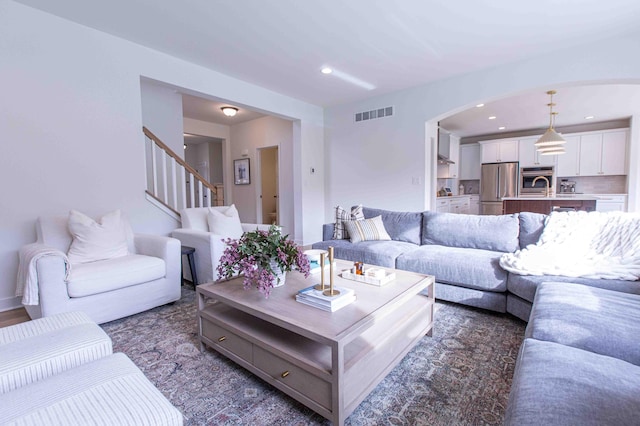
<point>548,204</point>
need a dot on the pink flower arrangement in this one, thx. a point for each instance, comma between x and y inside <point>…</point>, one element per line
<point>255,254</point>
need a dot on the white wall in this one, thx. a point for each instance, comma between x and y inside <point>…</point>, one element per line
<point>71,124</point>
<point>162,113</point>
<point>259,133</point>
<point>375,162</point>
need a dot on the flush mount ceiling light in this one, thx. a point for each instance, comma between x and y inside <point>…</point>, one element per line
<point>551,143</point>
<point>326,70</point>
<point>229,111</point>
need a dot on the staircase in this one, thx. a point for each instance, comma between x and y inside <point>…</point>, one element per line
<point>172,184</point>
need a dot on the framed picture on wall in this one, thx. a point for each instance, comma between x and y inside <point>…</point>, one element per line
<point>241,174</point>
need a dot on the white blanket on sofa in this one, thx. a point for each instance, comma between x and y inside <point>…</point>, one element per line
<point>581,244</point>
<point>27,285</point>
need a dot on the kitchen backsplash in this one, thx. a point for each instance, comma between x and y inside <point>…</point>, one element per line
<point>598,184</point>
<point>471,186</point>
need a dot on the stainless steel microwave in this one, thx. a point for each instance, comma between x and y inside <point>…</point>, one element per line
<point>529,174</point>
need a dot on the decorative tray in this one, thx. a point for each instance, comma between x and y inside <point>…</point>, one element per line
<point>369,279</point>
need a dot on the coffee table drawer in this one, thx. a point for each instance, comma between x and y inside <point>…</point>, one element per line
<point>225,339</point>
<point>296,378</point>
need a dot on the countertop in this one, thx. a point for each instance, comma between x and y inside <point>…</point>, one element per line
<point>580,197</point>
<point>456,196</point>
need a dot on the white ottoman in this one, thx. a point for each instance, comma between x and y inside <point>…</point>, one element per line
<point>109,391</point>
<point>46,346</point>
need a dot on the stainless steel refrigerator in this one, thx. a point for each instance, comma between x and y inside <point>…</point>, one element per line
<point>497,180</point>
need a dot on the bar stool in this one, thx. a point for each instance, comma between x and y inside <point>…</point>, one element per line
<point>189,251</point>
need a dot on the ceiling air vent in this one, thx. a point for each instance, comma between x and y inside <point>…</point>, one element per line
<point>374,113</point>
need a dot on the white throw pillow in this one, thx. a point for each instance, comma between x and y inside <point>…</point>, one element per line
<point>225,222</point>
<point>96,240</point>
<point>367,230</point>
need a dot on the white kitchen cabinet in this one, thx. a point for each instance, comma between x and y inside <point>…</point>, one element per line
<point>442,205</point>
<point>450,171</point>
<point>614,153</point>
<point>594,154</point>
<point>474,204</point>
<point>459,205</point>
<point>568,163</point>
<point>610,202</point>
<point>469,165</point>
<point>529,156</point>
<point>500,151</point>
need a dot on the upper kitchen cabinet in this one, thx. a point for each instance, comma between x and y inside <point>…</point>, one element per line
<point>500,151</point>
<point>469,166</point>
<point>529,156</point>
<point>449,170</point>
<point>594,154</point>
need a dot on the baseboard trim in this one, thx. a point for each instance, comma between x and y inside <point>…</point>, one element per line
<point>9,303</point>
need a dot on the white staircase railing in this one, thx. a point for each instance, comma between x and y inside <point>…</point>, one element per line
<point>174,183</point>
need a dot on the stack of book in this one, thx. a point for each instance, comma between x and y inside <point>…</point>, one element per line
<point>312,297</point>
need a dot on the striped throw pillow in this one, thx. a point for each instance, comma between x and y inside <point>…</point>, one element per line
<point>342,215</point>
<point>367,230</point>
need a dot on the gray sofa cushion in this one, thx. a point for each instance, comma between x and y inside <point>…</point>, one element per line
<point>525,285</point>
<point>559,385</point>
<point>401,226</point>
<point>495,233</point>
<point>381,253</point>
<point>531,227</point>
<point>472,268</point>
<point>601,321</point>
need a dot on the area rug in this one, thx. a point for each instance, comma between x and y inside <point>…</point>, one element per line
<point>460,376</point>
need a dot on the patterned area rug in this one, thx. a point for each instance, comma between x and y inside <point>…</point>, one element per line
<point>460,376</point>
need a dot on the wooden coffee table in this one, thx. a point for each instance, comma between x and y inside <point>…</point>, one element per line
<point>329,361</point>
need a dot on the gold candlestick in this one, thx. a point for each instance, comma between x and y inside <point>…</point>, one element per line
<point>320,286</point>
<point>331,291</point>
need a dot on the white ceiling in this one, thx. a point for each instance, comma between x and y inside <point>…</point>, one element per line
<point>208,110</point>
<point>530,111</point>
<point>390,44</point>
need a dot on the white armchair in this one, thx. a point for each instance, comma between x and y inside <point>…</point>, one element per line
<point>209,246</point>
<point>106,290</point>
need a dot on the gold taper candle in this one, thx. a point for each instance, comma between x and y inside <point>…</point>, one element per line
<point>331,291</point>
<point>321,285</point>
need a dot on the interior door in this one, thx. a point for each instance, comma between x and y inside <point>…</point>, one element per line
<point>269,185</point>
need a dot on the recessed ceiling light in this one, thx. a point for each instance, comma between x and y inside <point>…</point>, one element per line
<point>479,105</point>
<point>493,117</point>
<point>501,128</point>
<point>589,117</point>
<point>348,78</point>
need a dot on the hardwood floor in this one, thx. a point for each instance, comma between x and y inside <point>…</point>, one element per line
<point>14,316</point>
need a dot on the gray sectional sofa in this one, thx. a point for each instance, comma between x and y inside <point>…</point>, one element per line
<point>463,253</point>
<point>580,360</point>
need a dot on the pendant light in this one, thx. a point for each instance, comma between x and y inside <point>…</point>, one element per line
<point>551,143</point>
